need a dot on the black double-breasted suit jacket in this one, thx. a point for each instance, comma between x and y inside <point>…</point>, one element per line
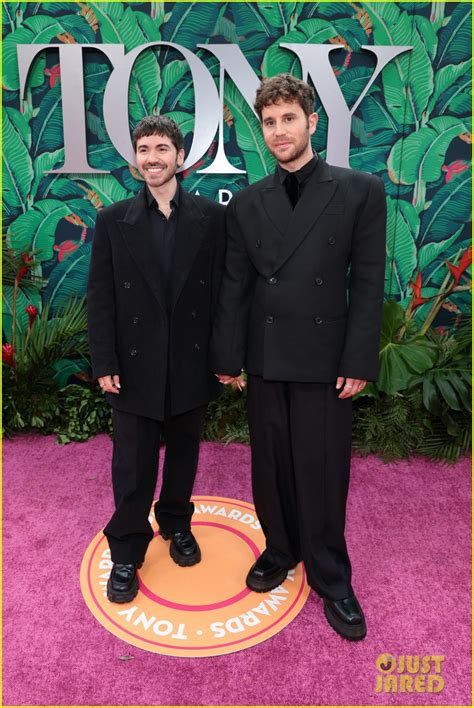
<point>302,291</point>
<point>132,331</point>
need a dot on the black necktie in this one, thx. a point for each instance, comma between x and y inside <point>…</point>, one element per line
<point>292,188</point>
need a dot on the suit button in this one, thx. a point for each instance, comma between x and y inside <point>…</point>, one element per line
<point>272,280</point>
<point>126,284</point>
<point>269,319</point>
<point>133,352</point>
<point>319,281</point>
<point>258,244</point>
<point>197,347</point>
<point>135,320</point>
<point>332,241</point>
<point>202,282</point>
<point>193,314</point>
<point>318,320</point>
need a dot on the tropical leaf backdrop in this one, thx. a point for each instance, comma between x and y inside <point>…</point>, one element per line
<point>413,128</point>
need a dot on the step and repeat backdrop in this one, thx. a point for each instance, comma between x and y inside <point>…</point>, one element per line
<point>393,84</point>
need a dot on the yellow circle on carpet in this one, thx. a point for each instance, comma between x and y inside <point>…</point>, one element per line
<point>203,610</point>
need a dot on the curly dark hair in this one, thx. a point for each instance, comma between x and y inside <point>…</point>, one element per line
<point>287,88</point>
<point>158,125</point>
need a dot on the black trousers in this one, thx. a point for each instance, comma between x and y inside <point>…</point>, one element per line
<point>301,448</point>
<point>134,474</point>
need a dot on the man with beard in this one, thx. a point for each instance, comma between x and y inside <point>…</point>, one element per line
<point>307,333</point>
<point>154,274</point>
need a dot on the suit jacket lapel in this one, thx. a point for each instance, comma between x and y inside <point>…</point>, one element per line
<point>317,193</point>
<point>189,232</point>
<point>277,205</point>
<point>137,234</point>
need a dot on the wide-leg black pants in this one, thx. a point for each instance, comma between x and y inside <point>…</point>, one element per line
<point>301,448</point>
<point>134,473</point>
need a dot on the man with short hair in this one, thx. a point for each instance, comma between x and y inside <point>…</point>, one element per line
<point>154,274</point>
<point>284,315</point>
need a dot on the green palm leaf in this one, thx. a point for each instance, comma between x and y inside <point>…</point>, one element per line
<point>192,23</point>
<point>455,38</point>
<point>449,209</point>
<point>457,99</point>
<point>47,127</point>
<point>9,17</point>
<point>278,60</point>
<point>408,79</point>
<point>444,80</point>
<point>61,187</point>
<point>16,163</point>
<point>185,121</point>
<point>370,158</point>
<point>36,229</point>
<point>427,34</point>
<point>25,296</point>
<point>421,155</point>
<point>107,187</point>
<point>42,164</point>
<point>68,278</point>
<point>279,15</point>
<point>400,249</point>
<point>104,155</point>
<point>249,22</point>
<point>432,251</point>
<point>119,24</point>
<point>171,75</point>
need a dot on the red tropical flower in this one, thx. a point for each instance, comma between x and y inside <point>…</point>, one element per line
<point>7,354</point>
<point>416,287</point>
<point>53,73</point>
<point>23,270</point>
<point>65,248</point>
<point>464,263</point>
<point>454,169</point>
<point>32,312</point>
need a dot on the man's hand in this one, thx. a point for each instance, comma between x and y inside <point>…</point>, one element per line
<point>109,384</point>
<point>351,386</point>
<point>234,381</point>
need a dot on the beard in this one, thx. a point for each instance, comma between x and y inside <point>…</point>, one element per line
<point>158,180</point>
<point>295,151</point>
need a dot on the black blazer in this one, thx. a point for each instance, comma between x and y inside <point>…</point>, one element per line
<point>288,310</point>
<point>130,332</point>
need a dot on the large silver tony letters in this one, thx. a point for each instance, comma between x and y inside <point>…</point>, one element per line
<point>315,64</point>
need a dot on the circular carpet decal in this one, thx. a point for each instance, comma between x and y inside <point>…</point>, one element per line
<point>204,610</point>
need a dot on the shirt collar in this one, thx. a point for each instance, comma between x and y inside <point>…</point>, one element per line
<point>303,173</point>
<point>151,201</point>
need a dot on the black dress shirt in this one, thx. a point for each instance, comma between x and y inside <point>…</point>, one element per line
<point>295,182</point>
<point>163,234</point>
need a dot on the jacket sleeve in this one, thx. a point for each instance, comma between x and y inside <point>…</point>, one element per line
<point>360,356</point>
<point>101,304</point>
<point>229,336</point>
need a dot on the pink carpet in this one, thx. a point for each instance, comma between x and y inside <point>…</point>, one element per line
<point>408,533</point>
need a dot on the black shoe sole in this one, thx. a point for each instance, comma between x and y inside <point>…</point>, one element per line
<point>179,558</point>
<point>353,632</point>
<point>184,561</point>
<point>122,597</point>
<point>266,585</point>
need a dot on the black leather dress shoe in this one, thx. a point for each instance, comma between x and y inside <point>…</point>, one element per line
<point>184,548</point>
<point>264,575</point>
<point>346,617</point>
<point>122,586</point>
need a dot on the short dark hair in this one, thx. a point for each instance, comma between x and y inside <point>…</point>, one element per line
<point>158,125</point>
<point>286,88</point>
